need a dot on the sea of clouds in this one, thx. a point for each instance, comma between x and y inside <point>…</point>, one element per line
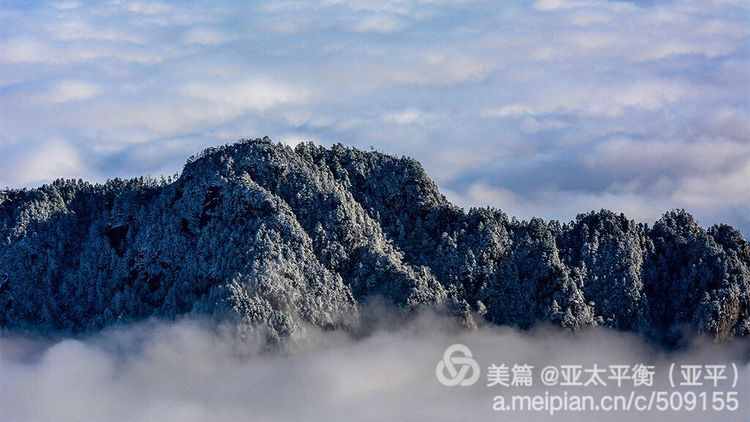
<point>191,371</point>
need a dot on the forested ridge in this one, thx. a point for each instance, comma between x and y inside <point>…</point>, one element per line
<point>275,238</point>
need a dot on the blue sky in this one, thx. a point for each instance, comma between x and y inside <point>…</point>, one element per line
<point>545,108</point>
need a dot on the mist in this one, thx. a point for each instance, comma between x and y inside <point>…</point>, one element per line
<point>189,370</point>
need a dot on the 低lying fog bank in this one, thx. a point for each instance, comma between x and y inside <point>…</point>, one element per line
<point>190,371</point>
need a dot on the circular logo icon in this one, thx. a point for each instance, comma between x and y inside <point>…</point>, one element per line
<point>457,367</point>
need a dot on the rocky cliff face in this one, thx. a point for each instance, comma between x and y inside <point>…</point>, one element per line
<point>275,238</point>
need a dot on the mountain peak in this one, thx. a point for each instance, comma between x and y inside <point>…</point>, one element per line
<point>275,238</point>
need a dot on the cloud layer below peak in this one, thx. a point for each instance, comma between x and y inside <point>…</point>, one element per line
<point>188,371</point>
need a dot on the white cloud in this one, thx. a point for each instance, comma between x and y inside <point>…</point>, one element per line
<point>544,87</point>
<point>67,5</point>
<point>591,41</point>
<point>648,177</point>
<point>33,51</point>
<point>712,191</point>
<point>646,157</point>
<point>195,107</point>
<point>378,23</point>
<point>547,5</point>
<point>204,36</point>
<point>597,100</point>
<point>510,110</point>
<point>533,125</point>
<point>41,163</point>
<point>648,95</point>
<point>20,50</point>
<point>76,30</point>
<point>673,48</point>
<point>441,69</point>
<point>564,205</point>
<point>187,371</point>
<point>590,18</point>
<point>251,94</point>
<point>615,100</point>
<point>409,116</point>
<point>147,8</point>
<point>67,91</point>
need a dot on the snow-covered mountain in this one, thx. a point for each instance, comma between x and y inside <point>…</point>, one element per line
<point>275,238</point>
